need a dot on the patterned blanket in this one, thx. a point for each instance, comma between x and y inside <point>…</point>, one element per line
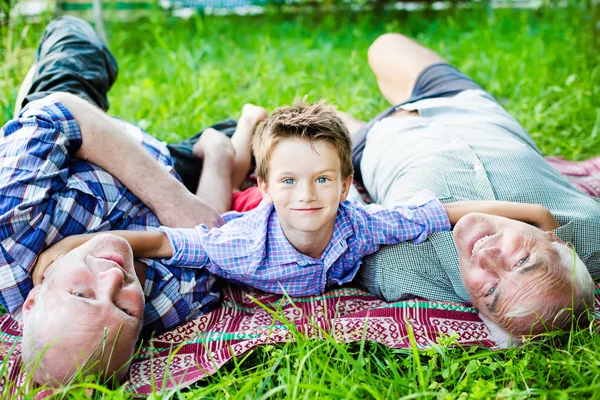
<point>248,318</point>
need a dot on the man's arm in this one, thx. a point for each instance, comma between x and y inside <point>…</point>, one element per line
<point>530,213</point>
<point>106,144</point>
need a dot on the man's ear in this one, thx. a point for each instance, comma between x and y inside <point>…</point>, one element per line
<point>554,237</point>
<point>264,189</point>
<point>29,304</point>
<point>346,184</point>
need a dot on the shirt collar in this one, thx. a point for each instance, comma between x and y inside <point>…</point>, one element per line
<point>286,253</point>
<point>443,243</point>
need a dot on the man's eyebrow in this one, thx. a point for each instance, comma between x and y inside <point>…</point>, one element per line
<point>531,267</point>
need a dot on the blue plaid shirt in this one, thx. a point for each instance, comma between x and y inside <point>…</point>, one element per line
<point>251,248</point>
<point>46,195</point>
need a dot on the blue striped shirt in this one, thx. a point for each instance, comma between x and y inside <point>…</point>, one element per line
<point>251,248</point>
<point>47,194</point>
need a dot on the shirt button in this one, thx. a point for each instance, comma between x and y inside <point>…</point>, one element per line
<point>478,167</point>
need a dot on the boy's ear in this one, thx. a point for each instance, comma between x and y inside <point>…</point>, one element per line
<point>346,188</point>
<point>264,189</point>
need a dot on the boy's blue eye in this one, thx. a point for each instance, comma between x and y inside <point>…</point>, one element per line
<point>288,181</point>
<point>322,179</point>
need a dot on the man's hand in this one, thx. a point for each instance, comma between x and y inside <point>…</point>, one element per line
<point>188,211</point>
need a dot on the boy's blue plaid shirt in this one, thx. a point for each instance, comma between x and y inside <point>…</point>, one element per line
<point>251,248</point>
<point>46,194</point>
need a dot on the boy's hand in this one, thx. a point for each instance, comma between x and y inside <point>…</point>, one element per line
<point>530,213</point>
<point>547,222</point>
<point>53,253</point>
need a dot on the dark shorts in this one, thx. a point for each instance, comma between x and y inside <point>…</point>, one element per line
<point>72,58</point>
<point>437,80</point>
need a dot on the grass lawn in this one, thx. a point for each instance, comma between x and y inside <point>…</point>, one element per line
<point>176,77</point>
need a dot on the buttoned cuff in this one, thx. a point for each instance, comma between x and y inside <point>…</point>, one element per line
<point>187,248</point>
<point>432,210</point>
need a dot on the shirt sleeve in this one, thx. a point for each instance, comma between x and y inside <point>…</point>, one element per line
<point>415,220</point>
<point>35,149</point>
<point>227,251</point>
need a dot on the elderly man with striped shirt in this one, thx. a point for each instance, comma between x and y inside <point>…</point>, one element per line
<point>446,134</point>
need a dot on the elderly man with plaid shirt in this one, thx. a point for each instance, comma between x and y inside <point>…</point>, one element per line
<point>68,168</point>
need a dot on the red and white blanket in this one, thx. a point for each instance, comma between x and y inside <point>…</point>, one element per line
<point>246,319</point>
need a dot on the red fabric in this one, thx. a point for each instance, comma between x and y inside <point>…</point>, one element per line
<point>247,200</point>
<point>584,175</point>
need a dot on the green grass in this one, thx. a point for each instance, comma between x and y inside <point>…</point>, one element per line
<point>177,77</point>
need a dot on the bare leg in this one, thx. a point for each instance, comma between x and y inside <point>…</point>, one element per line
<point>242,142</point>
<point>215,182</point>
<point>24,89</point>
<point>397,62</point>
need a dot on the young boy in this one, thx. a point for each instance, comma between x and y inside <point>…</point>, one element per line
<point>305,236</point>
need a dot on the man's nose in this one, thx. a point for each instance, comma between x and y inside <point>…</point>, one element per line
<point>111,280</point>
<point>491,258</point>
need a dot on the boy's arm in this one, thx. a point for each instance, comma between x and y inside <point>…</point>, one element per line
<point>145,244</point>
<point>530,213</point>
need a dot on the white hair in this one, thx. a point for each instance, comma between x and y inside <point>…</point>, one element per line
<point>572,312</point>
<point>580,276</point>
<point>36,349</point>
<point>499,335</point>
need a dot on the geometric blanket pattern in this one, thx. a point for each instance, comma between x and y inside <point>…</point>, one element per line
<point>248,318</point>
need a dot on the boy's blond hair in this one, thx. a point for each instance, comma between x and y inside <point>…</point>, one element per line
<point>311,122</point>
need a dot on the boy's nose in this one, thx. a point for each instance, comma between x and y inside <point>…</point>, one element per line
<point>307,193</point>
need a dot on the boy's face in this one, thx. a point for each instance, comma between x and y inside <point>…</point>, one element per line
<point>305,184</point>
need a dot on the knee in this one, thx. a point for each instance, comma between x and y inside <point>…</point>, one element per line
<point>67,22</point>
<point>68,30</point>
<point>384,43</point>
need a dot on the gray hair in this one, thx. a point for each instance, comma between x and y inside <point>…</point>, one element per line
<point>35,351</point>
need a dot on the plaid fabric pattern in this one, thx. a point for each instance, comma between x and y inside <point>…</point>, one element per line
<point>465,147</point>
<point>252,249</point>
<point>47,195</point>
